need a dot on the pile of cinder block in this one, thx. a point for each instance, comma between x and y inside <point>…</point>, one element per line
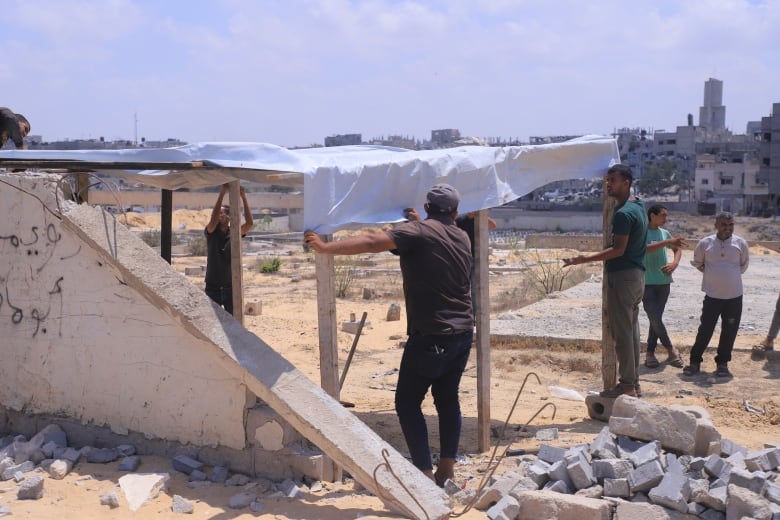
<point>651,462</point>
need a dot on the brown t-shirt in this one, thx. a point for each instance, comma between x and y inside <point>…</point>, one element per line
<point>435,265</point>
<point>9,128</point>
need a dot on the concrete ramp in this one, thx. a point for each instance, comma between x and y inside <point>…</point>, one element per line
<point>65,340</point>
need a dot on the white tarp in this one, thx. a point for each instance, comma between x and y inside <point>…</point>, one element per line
<point>351,186</point>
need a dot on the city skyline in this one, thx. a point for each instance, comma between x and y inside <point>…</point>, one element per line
<point>291,73</point>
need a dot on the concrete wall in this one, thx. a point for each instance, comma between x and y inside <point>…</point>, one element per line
<point>80,341</point>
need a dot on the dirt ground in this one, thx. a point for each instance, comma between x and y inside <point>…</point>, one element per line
<point>288,323</point>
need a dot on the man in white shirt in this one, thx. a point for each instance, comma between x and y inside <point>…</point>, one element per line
<point>722,257</point>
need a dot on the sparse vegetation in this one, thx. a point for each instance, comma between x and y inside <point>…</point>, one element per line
<point>153,238</point>
<point>269,265</point>
<point>197,246</point>
<point>345,275</point>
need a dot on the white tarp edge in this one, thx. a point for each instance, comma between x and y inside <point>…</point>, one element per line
<point>352,186</point>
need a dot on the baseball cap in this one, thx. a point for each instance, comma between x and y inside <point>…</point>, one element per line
<point>444,197</point>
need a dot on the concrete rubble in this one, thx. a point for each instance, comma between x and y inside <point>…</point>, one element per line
<point>28,464</point>
<point>651,462</point>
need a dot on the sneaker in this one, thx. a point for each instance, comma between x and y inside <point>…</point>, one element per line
<point>618,390</point>
<point>722,370</point>
<point>692,369</point>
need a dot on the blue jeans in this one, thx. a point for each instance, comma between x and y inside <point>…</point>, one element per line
<point>654,302</point>
<point>435,362</point>
<point>730,313</point>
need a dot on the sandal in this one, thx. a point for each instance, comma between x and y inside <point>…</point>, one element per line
<point>674,358</point>
<point>651,361</point>
<point>762,348</point>
<point>691,370</point>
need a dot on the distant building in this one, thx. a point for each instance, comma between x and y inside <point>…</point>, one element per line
<point>101,144</point>
<point>344,140</point>
<point>712,115</point>
<point>769,158</point>
<point>444,138</point>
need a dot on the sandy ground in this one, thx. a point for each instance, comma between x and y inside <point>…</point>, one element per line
<point>557,340</point>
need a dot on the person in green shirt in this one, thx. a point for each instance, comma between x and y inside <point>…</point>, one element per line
<point>658,280</point>
<point>625,276</point>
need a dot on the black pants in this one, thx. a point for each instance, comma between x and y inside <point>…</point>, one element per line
<point>222,295</point>
<point>730,312</point>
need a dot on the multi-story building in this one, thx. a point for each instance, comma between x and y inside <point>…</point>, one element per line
<point>769,158</point>
<point>343,140</point>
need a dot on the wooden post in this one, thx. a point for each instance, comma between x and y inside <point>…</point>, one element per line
<point>483,328</point>
<point>608,355</point>
<point>235,251</point>
<point>327,324</point>
<point>82,188</point>
<point>166,224</point>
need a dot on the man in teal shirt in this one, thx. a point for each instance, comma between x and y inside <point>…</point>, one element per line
<point>658,280</point>
<point>625,276</point>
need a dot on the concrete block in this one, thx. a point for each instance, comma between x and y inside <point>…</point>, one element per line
<point>762,460</point>
<point>741,502</point>
<point>599,408</point>
<point>729,448</point>
<point>253,308</point>
<point>535,505</point>
<point>687,430</point>
<point>713,498</point>
<point>558,472</point>
<point>603,446</point>
<point>711,514</point>
<point>753,481</point>
<point>550,454</point>
<point>646,477</point>
<point>393,312</point>
<point>580,471</point>
<point>507,507</point>
<point>558,486</point>
<point>185,464</point>
<point>772,492</point>
<point>352,326</point>
<point>260,415</point>
<point>716,467</point>
<point>646,453</point>
<point>645,511</point>
<point>673,492</point>
<point>612,468</point>
<point>616,487</point>
<point>538,472</point>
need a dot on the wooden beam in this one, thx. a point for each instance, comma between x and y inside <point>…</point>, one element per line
<point>166,224</point>
<point>608,355</point>
<point>235,251</point>
<point>327,325</point>
<point>82,188</point>
<point>102,165</point>
<point>482,292</point>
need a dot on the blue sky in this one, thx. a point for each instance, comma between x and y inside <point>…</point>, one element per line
<point>290,72</point>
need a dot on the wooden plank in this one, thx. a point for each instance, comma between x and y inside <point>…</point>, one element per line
<point>481,277</point>
<point>166,224</point>
<point>75,165</point>
<point>327,324</point>
<point>82,188</point>
<point>235,251</point>
<point>608,355</point>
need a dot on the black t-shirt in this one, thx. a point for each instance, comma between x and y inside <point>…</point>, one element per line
<point>466,223</point>
<point>436,268</point>
<point>218,258</point>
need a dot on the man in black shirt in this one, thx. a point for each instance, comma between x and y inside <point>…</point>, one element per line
<point>435,265</point>
<point>219,277</point>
